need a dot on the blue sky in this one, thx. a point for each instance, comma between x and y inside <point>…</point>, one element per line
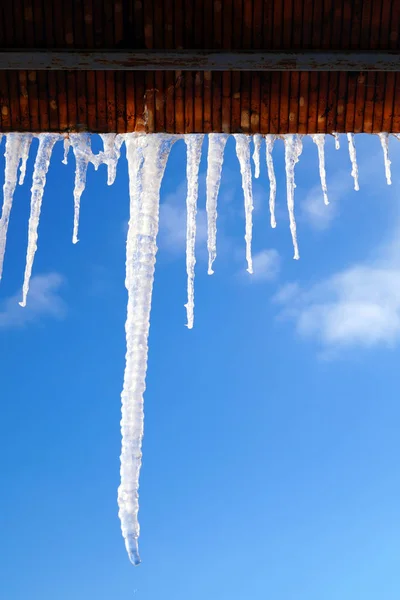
<point>271,449</point>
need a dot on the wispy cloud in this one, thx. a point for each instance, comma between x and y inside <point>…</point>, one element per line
<point>43,301</point>
<point>312,207</point>
<point>172,235</point>
<point>266,266</point>
<point>356,307</point>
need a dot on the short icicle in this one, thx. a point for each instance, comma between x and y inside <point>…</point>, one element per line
<point>112,150</point>
<point>25,147</point>
<point>67,146</point>
<point>83,155</point>
<point>293,149</point>
<point>319,140</point>
<point>270,140</point>
<point>14,143</point>
<point>243,154</point>
<point>147,157</point>
<point>337,140</point>
<point>46,145</point>
<point>353,159</point>
<point>257,139</point>
<point>384,138</point>
<point>215,158</point>
<point>194,143</point>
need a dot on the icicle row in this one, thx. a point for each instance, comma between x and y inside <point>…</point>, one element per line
<point>46,145</point>
<point>215,158</point>
<point>147,157</point>
<point>293,149</point>
<point>270,140</point>
<point>319,140</point>
<point>384,138</point>
<point>193,143</point>
<point>353,159</point>
<point>243,154</point>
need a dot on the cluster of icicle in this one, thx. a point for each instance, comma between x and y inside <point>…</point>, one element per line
<point>147,157</point>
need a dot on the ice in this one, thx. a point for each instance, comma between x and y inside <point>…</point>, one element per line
<point>83,155</point>
<point>353,158</point>
<point>319,140</point>
<point>293,149</point>
<point>215,158</point>
<point>46,145</point>
<point>14,148</point>
<point>194,143</point>
<point>384,138</point>
<point>257,138</point>
<point>270,140</point>
<point>243,154</point>
<point>147,157</point>
<point>337,140</point>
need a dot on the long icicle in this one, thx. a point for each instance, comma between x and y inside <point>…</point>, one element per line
<point>12,155</point>
<point>243,154</point>
<point>353,159</point>
<point>46,145</point>
<point>384,138</point>
<point>147,157</point>
<point>194,143</point>
<point>215,158</point>
<point>83,155</point>
<point>25,147</point>
<point>319,140</point>
<point>270,140</point>
<point>293,149</point>
<point>257,139</point>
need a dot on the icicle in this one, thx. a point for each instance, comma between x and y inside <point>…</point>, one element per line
<point>353,158</point>
<point>215,158</point>
<point>46,145</point>
<point>337,140</point>
<point>384,138</point>
<point>293,149</point>
<point>270,140</point>
<point>194,143</point>
<point>112,150</point>
<point>25,147</point>
<point>319,140</point>
<point>83,155</point>
<point>147,157</point>
<point>243,154</point>
<point>12,155</point>
<point>257,138</point>
<point>67,146</point>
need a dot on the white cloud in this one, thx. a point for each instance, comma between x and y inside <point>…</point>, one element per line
<point>172,235</point>
<point>266,265</point>
<point>43,301</point>
<point>356,307</point>
<point>312,207</point>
